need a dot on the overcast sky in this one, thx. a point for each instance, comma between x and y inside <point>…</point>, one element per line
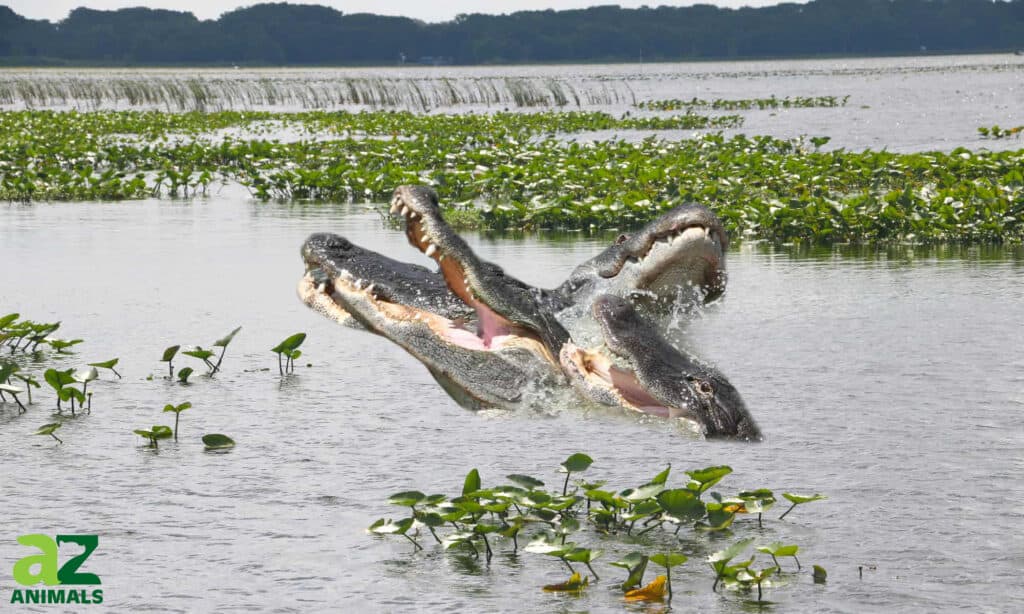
<point>436,10</point>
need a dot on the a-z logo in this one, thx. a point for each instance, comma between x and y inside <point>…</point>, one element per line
<point>44,568</point>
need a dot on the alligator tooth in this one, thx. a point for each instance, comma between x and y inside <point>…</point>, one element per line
<point>370,289</point>
<point>440,258</point>
<point>322,288</point>
<point>405,210</point>
<point>412,215</point>
<point>359,284</point>
<point>424,239</point>
<point>394,206</point>
<point>431,248</point>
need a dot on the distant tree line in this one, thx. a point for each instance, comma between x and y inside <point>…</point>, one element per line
<point>286,34</point>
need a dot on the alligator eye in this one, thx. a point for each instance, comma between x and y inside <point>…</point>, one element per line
<point>704,387</point>
<point>621,239</point>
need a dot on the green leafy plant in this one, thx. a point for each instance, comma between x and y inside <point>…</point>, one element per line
<point>177,409</point>
<point>481,516</point>
<point>60,345</point>
<point>796,500</point>
<point>30,383</point>
<point>574,464</point>
<point>203,355</point>
<point>107,364</point>
<point>289,348</point>
<point>720,561</point>
<point>58,380</point>
<point>184,374</point>
<point>168,357</point>
<point>83,377</point>
<point>48,429</point>
<point>155,434</point>
<point>777,549</point>
<point>223,343</point>
<point>217,441</point>
<point>668,561</point>
<point>14,391</point>
<point>635,563</point>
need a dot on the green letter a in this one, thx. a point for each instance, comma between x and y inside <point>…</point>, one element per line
<point>47,561</point>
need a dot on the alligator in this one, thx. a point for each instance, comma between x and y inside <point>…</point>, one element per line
<point>662,380</point>
<point>516,337</point>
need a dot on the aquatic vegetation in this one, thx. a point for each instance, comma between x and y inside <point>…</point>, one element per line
<point>203,355</point>
<point>168,357</point>
<point>524,171</point>
<point>14,391</point>
<point>184,374</point>
<point>796,500</point>
<point>655,591</point>
<point>83,377</point>
<point>574,584</point>
<point>58,380</point>
<point>233,91</point>
<point>745,104</point>
<point>587,509</point>
<point>107,364</point>
<point>154,434</point>
<point>668,561</point>
<point>217,441</point>
<point>29,381</point>
<point>223,344</point>
<point>995,132</point>
<point>48,429</point>
<point>177,409</point>
<point>289,349</point>
<point>777,549</point>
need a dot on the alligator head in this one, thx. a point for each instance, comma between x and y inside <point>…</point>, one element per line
<point>660,381</point>
<point>683,248</point>
<point>504,305</point>
<point>328,256</point>
<point>474,373</point>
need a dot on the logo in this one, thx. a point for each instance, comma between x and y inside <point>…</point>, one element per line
<point>44,568</point>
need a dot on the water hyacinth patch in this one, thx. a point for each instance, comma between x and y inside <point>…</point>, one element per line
<point>745,104</point>
<point>527,171</point>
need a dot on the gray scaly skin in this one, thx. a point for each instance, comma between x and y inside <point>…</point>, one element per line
<point>661,380</point>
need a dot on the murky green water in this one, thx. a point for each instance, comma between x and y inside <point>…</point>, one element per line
<point>891,380</point>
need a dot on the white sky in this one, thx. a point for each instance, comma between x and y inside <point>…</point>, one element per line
<point>436,10</point>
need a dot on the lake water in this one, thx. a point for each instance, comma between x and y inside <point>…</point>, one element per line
<point>890,380</point>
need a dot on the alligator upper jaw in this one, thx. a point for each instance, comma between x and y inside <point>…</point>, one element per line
<point>331,297</point>
<point>683,247</point>
<point>598,378</point>
<point>426,231</point>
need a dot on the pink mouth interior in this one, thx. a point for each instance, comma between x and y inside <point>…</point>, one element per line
<point>625,383</point>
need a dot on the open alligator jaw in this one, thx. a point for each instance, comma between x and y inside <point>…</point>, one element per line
<point>689,223</point>
<point>328,295</point>
<point>600,379</point>
<point>422,234</point>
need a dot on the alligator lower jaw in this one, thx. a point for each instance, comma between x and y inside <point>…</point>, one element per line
<point>599,378</point>
<point>322,297</point>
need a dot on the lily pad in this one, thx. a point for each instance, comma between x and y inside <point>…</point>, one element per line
<point>216,441</point>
